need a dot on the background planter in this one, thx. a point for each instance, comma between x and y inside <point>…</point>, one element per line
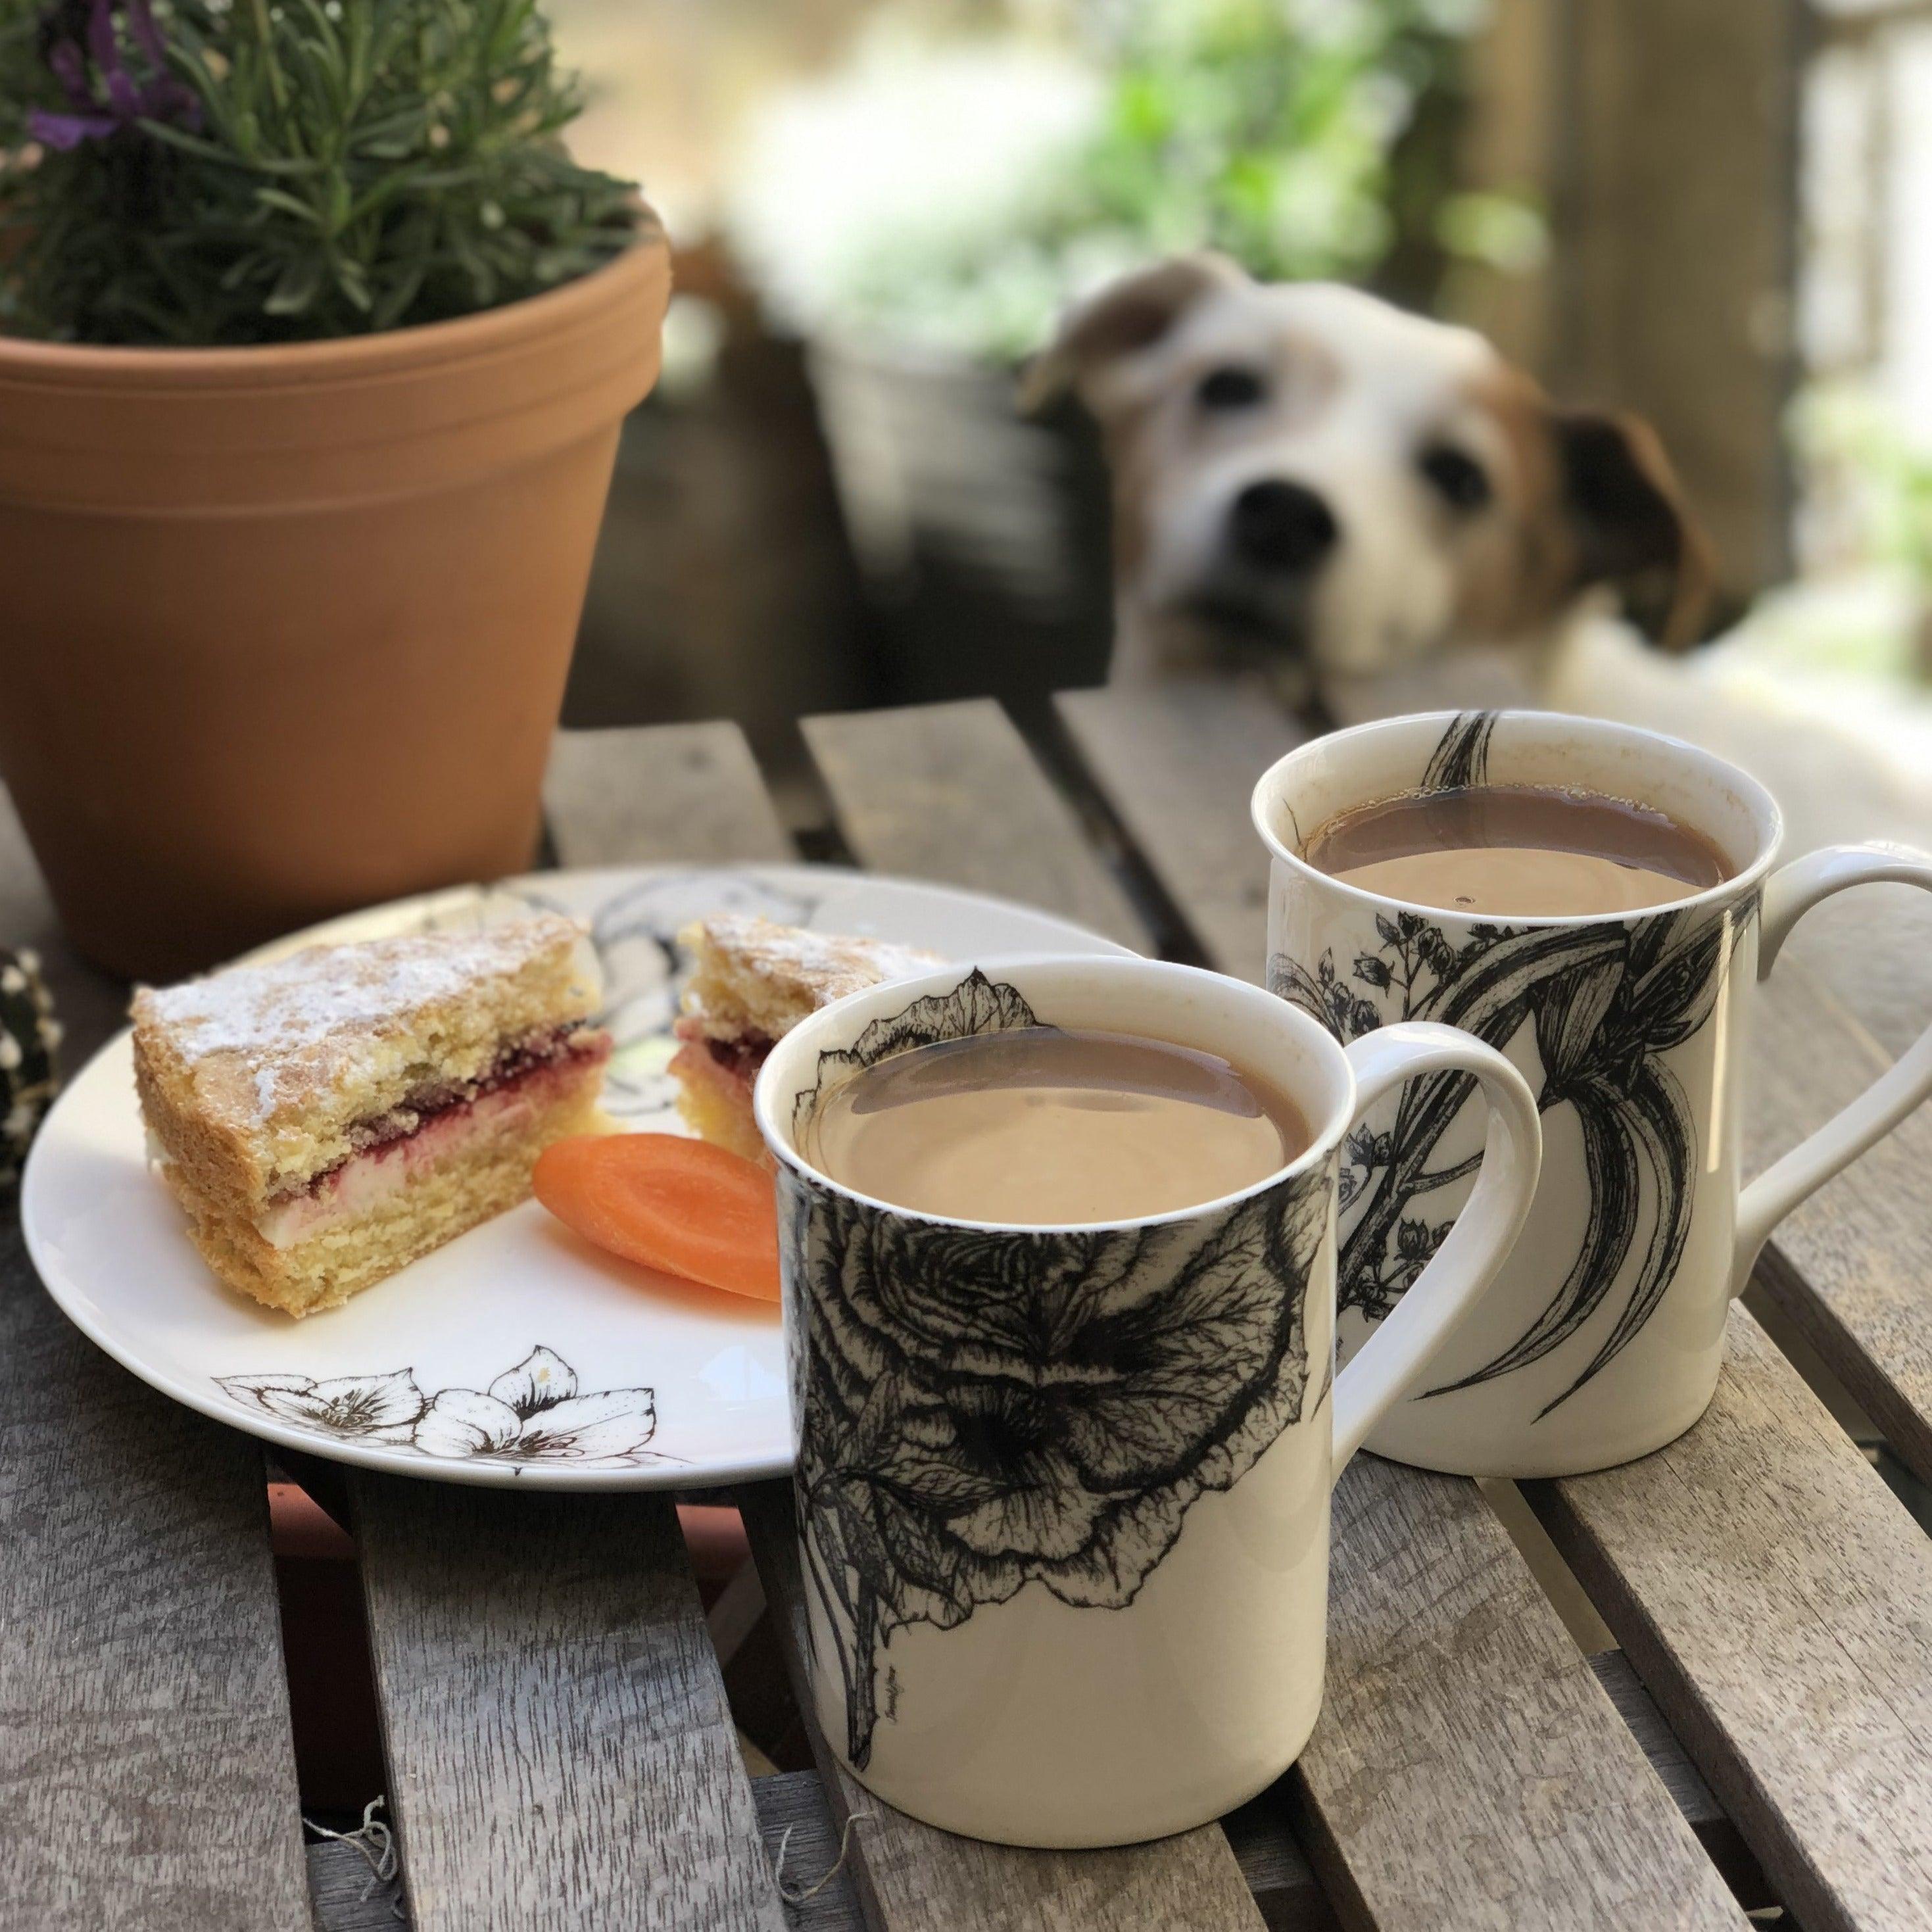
<point>982,535</point>
<point>287,628</point>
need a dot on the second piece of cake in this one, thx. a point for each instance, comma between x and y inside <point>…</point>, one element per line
<point>751,982</point>
<point>325,1119</point>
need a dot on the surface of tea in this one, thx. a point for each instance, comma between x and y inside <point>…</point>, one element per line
<point>1044,1127</point>
<point>1516,851</point>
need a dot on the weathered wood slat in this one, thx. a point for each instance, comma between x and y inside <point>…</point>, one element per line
<point>630,795</point>
<point>1681,1778</point>
<point>1762,1578</point>
<point>1275,1868</point>
<point>558,1741</point>
<point>1773,1595</point>
<point>1851,1266</point>
<point>1468,1768</point>
<point>1188,814</point>
<point>345,1896</point>
<point>792,1815</point>
<point>913,1879</point>
<point>147,1780</point>
<point>794,1802</point>
<point>1272,1862</point>
<point>950,792</point>
<point>559,1745</point>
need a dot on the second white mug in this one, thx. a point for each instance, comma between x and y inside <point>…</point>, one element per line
<point>1602,1338</point>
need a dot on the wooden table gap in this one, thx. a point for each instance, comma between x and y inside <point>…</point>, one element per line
<point>346,1687</point>
<point>1057,750</point>
<point>1558,1581</point>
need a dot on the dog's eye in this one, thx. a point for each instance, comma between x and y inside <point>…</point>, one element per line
<point>1230,388</point>
<point>1458,479</point>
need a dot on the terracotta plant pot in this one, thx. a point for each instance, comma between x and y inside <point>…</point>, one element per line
<point>286,629</point>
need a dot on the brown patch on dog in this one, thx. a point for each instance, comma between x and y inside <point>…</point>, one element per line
<point>1633,527</point>
<point>1127,316</point>
<point>1522,579</point>
<point>1595,501</point>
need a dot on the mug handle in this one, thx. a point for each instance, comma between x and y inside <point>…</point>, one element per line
<point>1788,895</point>
<point>1475,1248</point>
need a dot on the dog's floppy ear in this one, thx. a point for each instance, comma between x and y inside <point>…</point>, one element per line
<point>1627,517</point>
<point>1125,316</point>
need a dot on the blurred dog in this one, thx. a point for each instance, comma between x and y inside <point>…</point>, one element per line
<point>1308,479</point>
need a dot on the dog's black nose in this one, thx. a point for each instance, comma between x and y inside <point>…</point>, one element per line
<point>1278,525</point>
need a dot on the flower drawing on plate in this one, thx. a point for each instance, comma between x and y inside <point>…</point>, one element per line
<point>979,1411</point>
<point>532,1412</point>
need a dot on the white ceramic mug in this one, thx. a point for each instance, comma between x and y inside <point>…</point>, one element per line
<point>1063,1491</point>
<point>1603,1337</point>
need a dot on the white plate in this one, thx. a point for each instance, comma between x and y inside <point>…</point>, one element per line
<point>460,1367</point>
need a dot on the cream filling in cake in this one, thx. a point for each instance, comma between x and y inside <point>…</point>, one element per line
<point>438,1123</point>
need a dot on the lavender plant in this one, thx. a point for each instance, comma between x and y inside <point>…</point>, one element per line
<point>210,172</point>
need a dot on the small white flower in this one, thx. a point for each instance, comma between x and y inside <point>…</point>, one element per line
<point>12,980</point>
<point>10,1052</point>
<point>461,1422</point>
<point>380,1409</point>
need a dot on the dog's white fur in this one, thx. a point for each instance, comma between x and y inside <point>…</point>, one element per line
<point>1353,403</point>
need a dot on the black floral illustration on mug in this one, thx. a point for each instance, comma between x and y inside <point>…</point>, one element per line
<point>1608,1001</point>
<point>981,1411</point>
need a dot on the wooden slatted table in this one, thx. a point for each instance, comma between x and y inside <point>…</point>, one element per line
<point>560,1751</point>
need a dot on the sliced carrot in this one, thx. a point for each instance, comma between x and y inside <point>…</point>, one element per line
<point>684,1206</point>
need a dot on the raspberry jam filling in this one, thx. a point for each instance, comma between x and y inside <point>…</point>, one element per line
<point>740,1058</point>
<point>435,1117</point>
<point>434,1098</point>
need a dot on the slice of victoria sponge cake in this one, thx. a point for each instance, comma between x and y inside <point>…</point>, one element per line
<point>325,1119</point>
<point>751,982</point>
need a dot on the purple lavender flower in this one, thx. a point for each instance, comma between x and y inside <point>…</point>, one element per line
<point>112,63</point>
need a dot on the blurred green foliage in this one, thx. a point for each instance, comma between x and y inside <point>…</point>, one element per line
<point>1306,138</point>
<point>206,171</point>
<point>1867,479</point>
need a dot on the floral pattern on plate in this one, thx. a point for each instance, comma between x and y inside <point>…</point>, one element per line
<point>532,1412</point>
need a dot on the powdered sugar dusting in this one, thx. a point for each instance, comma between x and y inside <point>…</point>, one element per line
<point>836,963</point>
<point>329,995</point>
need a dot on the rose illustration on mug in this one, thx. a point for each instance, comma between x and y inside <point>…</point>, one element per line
<point>1008,1436</point>
<point>1025,1407</point>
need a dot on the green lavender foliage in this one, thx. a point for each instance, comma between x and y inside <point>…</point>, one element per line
<point>348,165</point>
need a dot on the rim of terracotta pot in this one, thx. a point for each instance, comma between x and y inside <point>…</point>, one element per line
<point>277,428</point>
<point>447,344</point>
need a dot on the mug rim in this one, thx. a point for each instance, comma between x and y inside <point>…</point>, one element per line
<point>944,979</point>
<point>1765,808</point>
